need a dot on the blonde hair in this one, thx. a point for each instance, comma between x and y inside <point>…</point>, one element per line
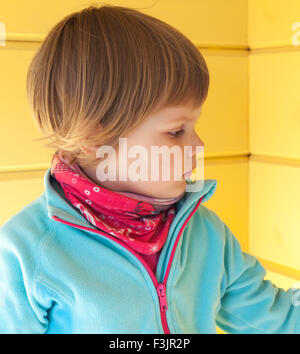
<point>100,71</point>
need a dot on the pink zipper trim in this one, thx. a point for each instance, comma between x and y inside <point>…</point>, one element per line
<point>160,287</point>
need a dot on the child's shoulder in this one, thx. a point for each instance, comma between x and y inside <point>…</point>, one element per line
<point>210,217</point>
<point>217,229</point>
<point>207,221</point>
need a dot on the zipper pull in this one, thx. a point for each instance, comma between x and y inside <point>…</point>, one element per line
<point>161,290</point>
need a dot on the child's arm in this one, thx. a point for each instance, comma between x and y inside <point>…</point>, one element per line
<point>20,310</point>
<point>251,304</point>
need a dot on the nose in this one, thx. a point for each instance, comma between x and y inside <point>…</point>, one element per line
<point>201,142</point>
<point>196,141</point>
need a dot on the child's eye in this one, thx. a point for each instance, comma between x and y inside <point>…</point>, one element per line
<point>177,133</point>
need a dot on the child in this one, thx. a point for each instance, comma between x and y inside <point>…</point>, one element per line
<point>123,256</point>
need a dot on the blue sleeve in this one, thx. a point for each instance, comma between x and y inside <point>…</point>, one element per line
<point>250,304</point>
<point>20,309</point>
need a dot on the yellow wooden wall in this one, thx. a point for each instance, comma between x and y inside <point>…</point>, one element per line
<point>274,132</point>
<point>250,122</point>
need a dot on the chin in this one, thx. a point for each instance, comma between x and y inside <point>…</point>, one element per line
<point>177,189</point>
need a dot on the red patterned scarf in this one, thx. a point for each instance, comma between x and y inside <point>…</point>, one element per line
<point>142,225</point>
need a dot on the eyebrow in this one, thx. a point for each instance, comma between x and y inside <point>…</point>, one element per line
<point>179,118</point>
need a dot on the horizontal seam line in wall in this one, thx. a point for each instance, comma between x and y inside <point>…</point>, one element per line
<point>24,168</point>
<point>274,49</point>
<point>43,167</point>
<point>276,160</point>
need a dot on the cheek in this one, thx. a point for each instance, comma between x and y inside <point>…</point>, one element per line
<point>150,145</point>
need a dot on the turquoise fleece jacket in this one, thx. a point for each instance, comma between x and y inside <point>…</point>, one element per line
<point>60,274</point>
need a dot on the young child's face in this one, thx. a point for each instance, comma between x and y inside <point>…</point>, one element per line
<point>159,130</point>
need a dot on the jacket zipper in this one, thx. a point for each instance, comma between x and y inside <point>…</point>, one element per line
<point>160,287</point>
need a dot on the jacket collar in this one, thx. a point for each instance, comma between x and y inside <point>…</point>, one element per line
<point>59,205</point>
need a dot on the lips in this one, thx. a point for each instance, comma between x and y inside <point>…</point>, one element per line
<point>188,174</point>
